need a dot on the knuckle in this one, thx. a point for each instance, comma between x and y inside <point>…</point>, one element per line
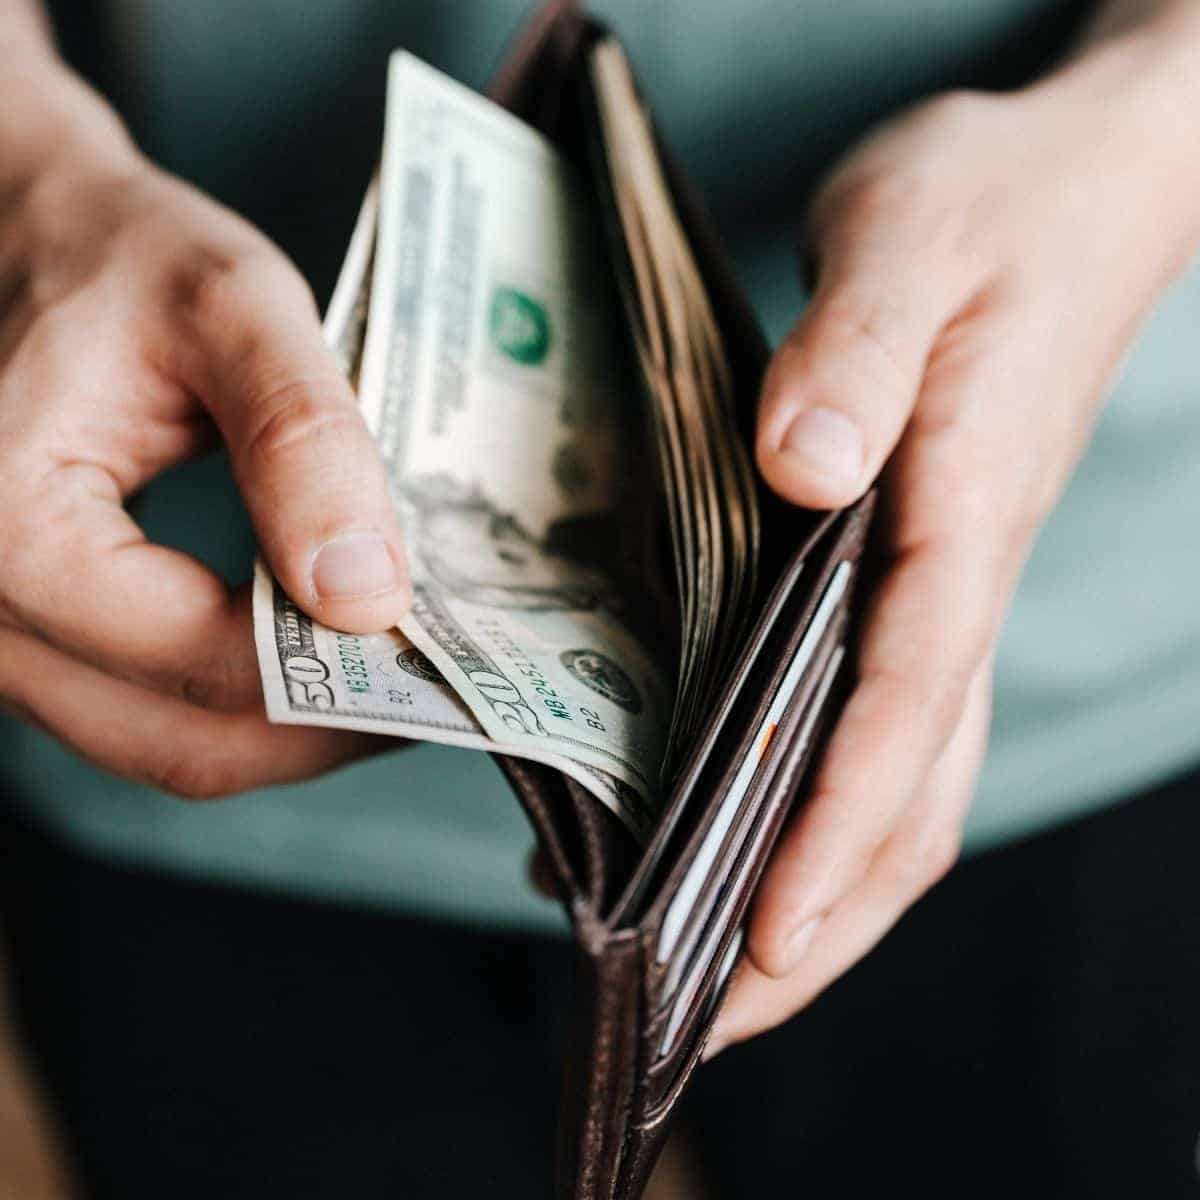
<point>869,198</point>
<point>207,285</point>
<point>973,493</point>
<point>294,419</point>
<point>971,524</point>
<point>195,776</point>
<point>1030,495</point>
<point>18,710</point>
<point>876,327</point>
<point>24,535</point>
<point>46,522</point>
<point>960,110</point>
<point>948,702</point>
<point>874,195</point>
<point>925,861</point>
<point>217,684</point>
<point>936,856</point>
<point>28,529</point>
<point>213,287</point>
<point>959,482</point>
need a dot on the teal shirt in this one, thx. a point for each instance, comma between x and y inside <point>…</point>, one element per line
<point>276,108</point>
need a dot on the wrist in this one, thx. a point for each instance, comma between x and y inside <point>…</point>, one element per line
<point>1129,107</point>
<point>51,121</point>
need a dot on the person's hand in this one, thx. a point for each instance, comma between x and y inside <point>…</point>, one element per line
<point>982,266</point>
<point>138,322</point>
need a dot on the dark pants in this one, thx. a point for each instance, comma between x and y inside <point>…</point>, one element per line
<point>1032,1028</point>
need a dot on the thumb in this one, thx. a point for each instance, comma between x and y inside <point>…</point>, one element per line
<point>843,384</point>
<point>306,464</point>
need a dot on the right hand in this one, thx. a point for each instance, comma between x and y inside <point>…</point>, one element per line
<point>138,319</point>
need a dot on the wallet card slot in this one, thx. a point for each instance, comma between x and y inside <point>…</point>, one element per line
<point>803,645</point>
<point>645,1138</point>
<point>732,895</point>
<point>683,1005</point>
<point>682,904</point>
<point>784,623</point>
<point>797,726</point>
<point>720,728</point>
<point>667,1075</point>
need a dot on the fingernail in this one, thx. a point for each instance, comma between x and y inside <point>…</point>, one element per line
<point>354,564</point>
<point>798,943</point>
<point>827,443</point>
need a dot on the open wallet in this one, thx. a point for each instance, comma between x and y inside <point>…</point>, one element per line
<point>658,926</point>
<point>562,376</point>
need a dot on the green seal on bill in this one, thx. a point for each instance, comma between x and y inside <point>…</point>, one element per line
<point>519,326</point>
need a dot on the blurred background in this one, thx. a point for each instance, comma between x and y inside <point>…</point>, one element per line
<point>276,109</point>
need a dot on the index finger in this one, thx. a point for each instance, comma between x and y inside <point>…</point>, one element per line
<point>80,574</point>
<point>927,630</point>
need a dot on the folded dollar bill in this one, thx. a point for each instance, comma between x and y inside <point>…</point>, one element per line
<point>477,316</point>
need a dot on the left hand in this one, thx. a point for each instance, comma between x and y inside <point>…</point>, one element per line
<point>984,264</point>
<point>139,321</point>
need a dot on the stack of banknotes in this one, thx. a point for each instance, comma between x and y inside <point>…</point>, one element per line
<point>563,481</point>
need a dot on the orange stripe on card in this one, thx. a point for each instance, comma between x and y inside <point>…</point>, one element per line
<point>766,741</point>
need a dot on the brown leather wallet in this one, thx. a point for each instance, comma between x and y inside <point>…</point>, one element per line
<point>659,927</point>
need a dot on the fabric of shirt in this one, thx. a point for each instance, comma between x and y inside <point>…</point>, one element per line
<point>275,107</point>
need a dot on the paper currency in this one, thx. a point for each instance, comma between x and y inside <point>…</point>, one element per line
<point>477,317</point>
<point>381,683</point>
<point>708,482</point>
<point>346,316</point>
<point>489,376</point>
